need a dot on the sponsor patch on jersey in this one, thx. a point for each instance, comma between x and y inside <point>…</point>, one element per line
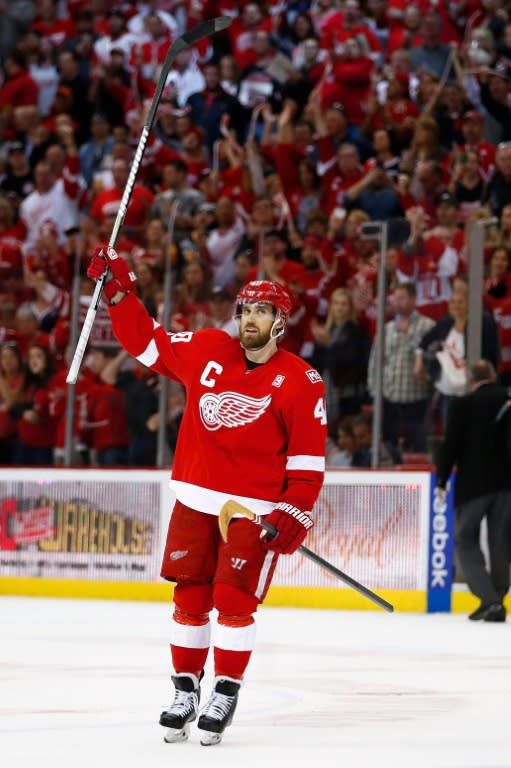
<point>313,375</point>
<point>278,381</point>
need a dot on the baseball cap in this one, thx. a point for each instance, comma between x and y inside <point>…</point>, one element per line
<point>207,207</point>
<point>448,199</point>
<point>48,227</point>
<point>279,233</point>
<point>98,115</point>
<point>64,90</point>
<point>403,78</point>
<point>338,106</point>
<point>473,114</point>
<point>220,293</point>
<point>502,69</point>
<point>116,11</point>
<point>313,242</point>
<point>196,131</point>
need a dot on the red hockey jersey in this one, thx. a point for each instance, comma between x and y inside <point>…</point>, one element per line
<point>257,436</point>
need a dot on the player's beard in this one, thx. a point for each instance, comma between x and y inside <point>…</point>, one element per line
<point>254,340</point>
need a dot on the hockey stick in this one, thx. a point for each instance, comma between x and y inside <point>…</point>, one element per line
<point>204,29</point>
<point>232,507</point>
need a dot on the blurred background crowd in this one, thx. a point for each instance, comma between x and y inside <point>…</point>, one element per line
<point>274,143</point>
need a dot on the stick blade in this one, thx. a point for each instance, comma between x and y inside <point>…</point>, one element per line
<point>206,29</point>
<point>221,23</point>
<point>228,511</point>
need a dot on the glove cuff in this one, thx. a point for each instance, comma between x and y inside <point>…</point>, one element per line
<point>114,291</point>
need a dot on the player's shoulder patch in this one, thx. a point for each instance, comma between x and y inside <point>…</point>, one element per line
<point>313,375</point>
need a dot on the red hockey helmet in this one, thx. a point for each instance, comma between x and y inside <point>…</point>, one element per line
<point>265,292</point>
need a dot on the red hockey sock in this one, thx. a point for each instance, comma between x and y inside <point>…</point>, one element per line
<point>188,659</point>
<point>190,636</point>
<point>234,642</point>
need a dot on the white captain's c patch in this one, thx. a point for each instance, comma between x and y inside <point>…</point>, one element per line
<point>231,409</point>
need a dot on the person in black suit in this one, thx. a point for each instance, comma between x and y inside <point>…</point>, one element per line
<point>474,443</point>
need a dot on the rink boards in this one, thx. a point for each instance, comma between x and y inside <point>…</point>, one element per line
<point>100,533</point>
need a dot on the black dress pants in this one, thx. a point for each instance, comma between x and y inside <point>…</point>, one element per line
<point>489,585</point>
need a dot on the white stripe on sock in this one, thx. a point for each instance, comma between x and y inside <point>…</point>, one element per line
<point>188,636</point>
<point>234,638</point>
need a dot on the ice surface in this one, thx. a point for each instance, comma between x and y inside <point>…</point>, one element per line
<point>82,683</point>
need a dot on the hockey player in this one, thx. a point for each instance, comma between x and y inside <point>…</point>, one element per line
<point>253,430</point>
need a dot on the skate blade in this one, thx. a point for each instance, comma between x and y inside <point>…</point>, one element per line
<point>209,739</point>
<point>175,735</point>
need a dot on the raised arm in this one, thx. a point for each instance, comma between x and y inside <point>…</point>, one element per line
<point>172,355</point>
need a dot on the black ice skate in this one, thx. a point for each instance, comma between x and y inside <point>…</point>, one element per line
<point>184,708</point>
<point>219,710</point>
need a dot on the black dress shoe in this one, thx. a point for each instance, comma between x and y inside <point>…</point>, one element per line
<point>478,614</point>
<point>489,612</point>
<point>495,613</point>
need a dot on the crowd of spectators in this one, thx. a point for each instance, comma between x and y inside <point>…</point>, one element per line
<point>274,143</point>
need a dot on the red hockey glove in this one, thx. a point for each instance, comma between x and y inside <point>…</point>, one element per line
<point>292,527</point>
<point>122,279</point>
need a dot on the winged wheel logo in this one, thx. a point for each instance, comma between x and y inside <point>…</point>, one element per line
<point>231,409</point>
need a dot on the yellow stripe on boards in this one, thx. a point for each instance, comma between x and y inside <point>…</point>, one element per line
<point>465,602</point>
<point>290,597</point>
<point>89,590</point>
<point>344,599</point>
